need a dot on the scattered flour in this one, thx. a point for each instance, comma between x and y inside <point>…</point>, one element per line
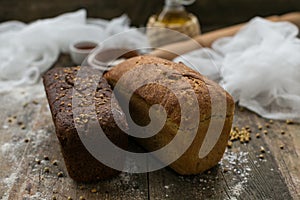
<point>237,162</point>
<point>8,151</point>
<point>15,149</point>
<point>9,183</point>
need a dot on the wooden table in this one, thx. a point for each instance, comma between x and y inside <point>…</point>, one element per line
<point>27,141</point>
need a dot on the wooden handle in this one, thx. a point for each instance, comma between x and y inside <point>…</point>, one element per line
<point>205,40</point>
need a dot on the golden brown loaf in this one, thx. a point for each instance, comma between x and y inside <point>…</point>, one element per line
<point>155,93</point>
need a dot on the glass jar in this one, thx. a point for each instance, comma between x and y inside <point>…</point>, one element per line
<point>163,28</point>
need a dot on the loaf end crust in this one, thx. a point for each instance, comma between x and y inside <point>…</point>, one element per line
<point>189,163</point>
<point>81,165</point>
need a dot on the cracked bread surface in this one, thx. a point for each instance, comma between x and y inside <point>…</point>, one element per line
<point>156,93</point>
<point>60,89</point>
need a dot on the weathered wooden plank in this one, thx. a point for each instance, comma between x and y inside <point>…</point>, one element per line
<point>23,178</point>
<point>247,177</point>
<point>286,151</point>
<point>240,175</point>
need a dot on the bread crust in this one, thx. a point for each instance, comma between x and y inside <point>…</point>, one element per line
<point>81,165</point>
<point>150,94</point>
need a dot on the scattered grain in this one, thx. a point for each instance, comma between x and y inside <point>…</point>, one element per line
<point>46,170</point>
<point>38,161</point>
<point>262,150</point>
<point>94,190</point>
<point>60,174</point>
<point>46,157</point>
<point>9,120</point>
<point>225,170</point>
<point>81,187</point>
<point>35,102</point>
<point>229,144</point>
<point>54,162</point>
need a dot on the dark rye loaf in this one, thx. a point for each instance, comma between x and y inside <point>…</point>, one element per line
<point>81,165</point>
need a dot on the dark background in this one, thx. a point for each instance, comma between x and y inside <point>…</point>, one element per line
<point>211,13</point>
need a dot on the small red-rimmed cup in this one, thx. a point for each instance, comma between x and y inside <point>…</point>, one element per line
<point>80,50</point>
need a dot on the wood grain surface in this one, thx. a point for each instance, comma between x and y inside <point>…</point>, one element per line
<point>27,136</point>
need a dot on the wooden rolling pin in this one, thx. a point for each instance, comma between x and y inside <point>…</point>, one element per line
<point>205,40</point>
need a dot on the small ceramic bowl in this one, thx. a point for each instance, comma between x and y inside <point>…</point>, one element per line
<point>104,59</point>
<point>80,50</point>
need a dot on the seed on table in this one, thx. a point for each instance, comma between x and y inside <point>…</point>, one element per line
<point>94,190</point>
<point>35,102</point>
<point>261,156</point>
<point>229,144</point>
<point>289,121</point>
<point>81,198</point>
<point>54,162</point>
<point>242,140</point>
<point>54,198</point>
<point>225,170</point>
<point>265,132</point>
<point>81,187</point>
<point>267,125</point>
<point>46,157</point>
<point>46,170</point>
<point>38,161</point>
<point>262,150</point>
<point>70,198</point>
<point>247,140</point>
<point>260,127</point>
<point>281,146</point>
<point>60,174</point>
<point>257,135</point>
<point>282,132</point>
<point>271,121</point>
